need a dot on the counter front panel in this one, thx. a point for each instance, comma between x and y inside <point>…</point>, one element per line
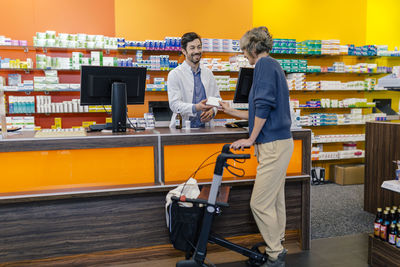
<point>181,161</point>
<point>68,169</point>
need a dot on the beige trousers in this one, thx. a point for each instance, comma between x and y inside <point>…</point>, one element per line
<point>268,197</point>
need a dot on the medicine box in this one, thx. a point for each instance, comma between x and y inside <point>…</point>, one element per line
<point>348,174</point>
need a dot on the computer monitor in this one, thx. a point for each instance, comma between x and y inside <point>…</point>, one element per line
<point>118,86</point>
<point>243,85</point>
<point>162,112</point>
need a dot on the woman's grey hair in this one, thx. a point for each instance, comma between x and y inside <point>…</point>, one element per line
<point>256,40</point>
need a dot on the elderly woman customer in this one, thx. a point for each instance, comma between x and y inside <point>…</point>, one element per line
<point>269,132</point>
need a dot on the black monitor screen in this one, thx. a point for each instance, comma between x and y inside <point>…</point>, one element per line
<point>243,85</point>
<point>96,84</point>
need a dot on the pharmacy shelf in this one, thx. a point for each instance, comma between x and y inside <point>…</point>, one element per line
<point>347,124</point>
<point>339,141</point>
<point>340,73</point>
<point>51,48</point>
<point>34,69</point>
<point>57,114</point>
<point>124,49</point>
<point>28,92</point>
<point>331,108</point>
<point>353,73</point>
<point>338,90</point>
<point>71,70</point>
<point>393,185</point>
<point>329,55</point>
<point>337,159</point>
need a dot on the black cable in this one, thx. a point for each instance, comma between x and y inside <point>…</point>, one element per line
<point>200,167</point>
<point>208,164</point>
<point>235,174</point>
<point>194,173</point>
<point>238,161</point>
<point>106,110</point>
<point>133,126</point>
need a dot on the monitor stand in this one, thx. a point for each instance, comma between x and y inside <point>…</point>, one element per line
<point>119,106</point>
<point>119,109</point>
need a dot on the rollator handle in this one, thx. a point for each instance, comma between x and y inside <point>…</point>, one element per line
<point>226,148</point>
<point>235,156</point>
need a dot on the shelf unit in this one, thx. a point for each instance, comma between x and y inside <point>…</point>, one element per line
<point>334,142</point>
<point>337,159</point>
<point>72,76</point>
<point>330,107</point>
<point>28,47</point>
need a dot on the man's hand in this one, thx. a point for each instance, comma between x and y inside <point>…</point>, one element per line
<point>241,144</point>
<point>206,116</point>
<point>202,106</point>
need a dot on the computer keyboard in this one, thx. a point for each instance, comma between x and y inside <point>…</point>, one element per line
<point>237,124</point>
<point>48,133</point>
<point>240,105</point>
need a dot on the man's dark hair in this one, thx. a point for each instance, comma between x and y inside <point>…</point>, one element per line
<point>188,37</point>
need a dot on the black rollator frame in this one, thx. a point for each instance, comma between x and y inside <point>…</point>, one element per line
<point>210,209</point>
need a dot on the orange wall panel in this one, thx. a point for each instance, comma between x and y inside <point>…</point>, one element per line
<point>60,169</point>
<point>156,19</point>
<point>21,19</point>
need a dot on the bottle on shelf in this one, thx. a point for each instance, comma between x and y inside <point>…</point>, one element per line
<point>398,216</point>
<point>393,216</point>
<point>178,120</point>
<point>392,234</point>
<point>398,236</point>
<point>385,226</point>
<point>378,222</point>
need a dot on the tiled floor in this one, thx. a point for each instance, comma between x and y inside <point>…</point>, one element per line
<point>346,251</point>
<point>351,251</point>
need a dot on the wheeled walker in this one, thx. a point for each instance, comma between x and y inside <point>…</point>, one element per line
<point>193,232</point>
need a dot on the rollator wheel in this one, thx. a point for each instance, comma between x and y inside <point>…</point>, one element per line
<point>256,248</point>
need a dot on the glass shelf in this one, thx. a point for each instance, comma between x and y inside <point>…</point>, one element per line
<point>337,159</point>
<point>124,49</point>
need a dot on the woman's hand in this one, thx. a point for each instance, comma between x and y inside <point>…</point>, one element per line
<point>225,107</point>
<point>241,144</point>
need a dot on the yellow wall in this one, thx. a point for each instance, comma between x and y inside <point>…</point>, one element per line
<point>155,19</point>
<point>313,19</point>
<point>383,22</point>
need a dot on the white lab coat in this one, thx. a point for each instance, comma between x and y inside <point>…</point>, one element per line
<point>181,88</point>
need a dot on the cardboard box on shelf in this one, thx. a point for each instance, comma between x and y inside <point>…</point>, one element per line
<point>348,174</point>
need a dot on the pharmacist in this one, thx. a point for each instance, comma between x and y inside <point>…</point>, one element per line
<point>190,84</point>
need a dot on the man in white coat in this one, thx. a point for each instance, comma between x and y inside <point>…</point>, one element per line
<point>190,84</point>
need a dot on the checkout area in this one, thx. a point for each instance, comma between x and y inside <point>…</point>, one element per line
<point>104,191</point>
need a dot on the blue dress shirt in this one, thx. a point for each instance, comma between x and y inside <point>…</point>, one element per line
<point>199,94</point>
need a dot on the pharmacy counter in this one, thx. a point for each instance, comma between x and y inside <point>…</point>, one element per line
<point>101,160</point>
<point>106,192</point>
